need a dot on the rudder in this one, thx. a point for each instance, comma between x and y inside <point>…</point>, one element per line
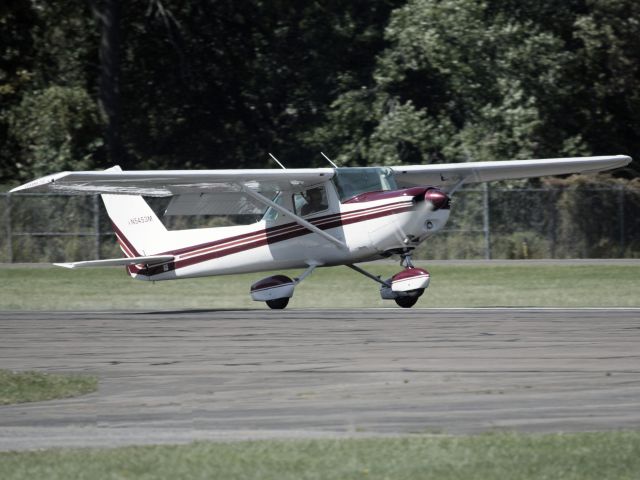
<point>137,227</point>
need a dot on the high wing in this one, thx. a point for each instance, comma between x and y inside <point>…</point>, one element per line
<point>451,175</point>
<point>448,176</point>
<point>162,183</point>
<point>243,184</point>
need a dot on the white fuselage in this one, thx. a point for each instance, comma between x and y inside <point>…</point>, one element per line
<point>371,226</point>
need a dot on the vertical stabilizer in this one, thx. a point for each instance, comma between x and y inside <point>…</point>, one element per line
<point>137,227</point>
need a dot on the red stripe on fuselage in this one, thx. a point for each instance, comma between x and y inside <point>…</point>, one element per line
<point>280,235</point>
<point>324,222</point>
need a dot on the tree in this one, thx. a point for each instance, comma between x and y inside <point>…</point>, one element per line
<point>57,128</point>
<point>220,84</point>
<point>607,90</point>
<point>49,120</point>
<point>463,79</point>
<point>16,71</point>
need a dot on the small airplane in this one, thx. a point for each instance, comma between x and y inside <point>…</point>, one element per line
<point>313,217</point>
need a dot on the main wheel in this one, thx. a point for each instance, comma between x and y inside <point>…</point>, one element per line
<point>409,300</point>
<point>406,302</point>
<point>278,303</point>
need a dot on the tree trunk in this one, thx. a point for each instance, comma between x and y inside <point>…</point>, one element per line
<point>108,12</point>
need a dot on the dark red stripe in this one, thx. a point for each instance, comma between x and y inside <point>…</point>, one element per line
<point>124,239</point>
<point>214,243</point>
<point>274,230</point>
<point>384,195</point>
<point>275,238</point>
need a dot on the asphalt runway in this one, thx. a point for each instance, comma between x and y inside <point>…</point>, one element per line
<point>173,377</point>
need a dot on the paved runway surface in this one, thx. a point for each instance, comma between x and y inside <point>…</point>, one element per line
<point>169,377</point>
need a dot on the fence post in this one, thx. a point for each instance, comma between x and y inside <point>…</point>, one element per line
<point>555,192</point>
<point>486,218</point>
<point>7,213</point>
<point>621,219</point>
<point>96,225</point>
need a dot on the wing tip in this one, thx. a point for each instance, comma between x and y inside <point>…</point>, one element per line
<point>41,183</point>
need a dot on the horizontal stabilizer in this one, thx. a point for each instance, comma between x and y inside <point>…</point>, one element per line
<point>115,262</point>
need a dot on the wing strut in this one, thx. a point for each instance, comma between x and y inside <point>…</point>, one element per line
<point>453,189</point>
<point>296,218</point>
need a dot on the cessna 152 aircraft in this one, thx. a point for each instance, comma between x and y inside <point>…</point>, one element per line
<point>315,217</point>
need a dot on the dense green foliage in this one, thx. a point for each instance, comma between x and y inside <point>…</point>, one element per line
<point>514,456</point>
<point>20,387</point>
<point>154,84</point>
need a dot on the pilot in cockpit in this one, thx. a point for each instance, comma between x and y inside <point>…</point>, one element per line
<point>316,201</point>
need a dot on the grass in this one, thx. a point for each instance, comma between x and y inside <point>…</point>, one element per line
<point>53,288</point>
<point>20,387</point>
<point>598,456</point>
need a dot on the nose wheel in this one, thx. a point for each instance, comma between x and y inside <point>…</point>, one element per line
<point>405,287</point>
<point>410,299</point>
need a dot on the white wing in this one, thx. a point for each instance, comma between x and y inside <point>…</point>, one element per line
<point>448,175</point>
<point>178,182</point>
<point>161,183</point>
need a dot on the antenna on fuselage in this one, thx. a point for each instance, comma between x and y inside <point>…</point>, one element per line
<point>277,161</point>
<point>328,160</point>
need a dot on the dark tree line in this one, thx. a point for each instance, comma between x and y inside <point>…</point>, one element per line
<point>219,83</point>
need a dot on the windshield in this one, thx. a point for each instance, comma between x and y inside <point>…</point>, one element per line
<point>353,181</point>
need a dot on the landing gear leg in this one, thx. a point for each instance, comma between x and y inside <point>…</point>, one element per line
<point>405,259</point>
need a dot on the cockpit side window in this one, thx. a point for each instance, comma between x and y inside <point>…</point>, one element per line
<point>311,201</point>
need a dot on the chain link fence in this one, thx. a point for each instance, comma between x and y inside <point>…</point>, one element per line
<point>486,222</point>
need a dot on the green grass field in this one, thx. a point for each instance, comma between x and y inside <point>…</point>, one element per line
<point>594,456</point>
<point>455,285</point>
<point>19,387</point>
